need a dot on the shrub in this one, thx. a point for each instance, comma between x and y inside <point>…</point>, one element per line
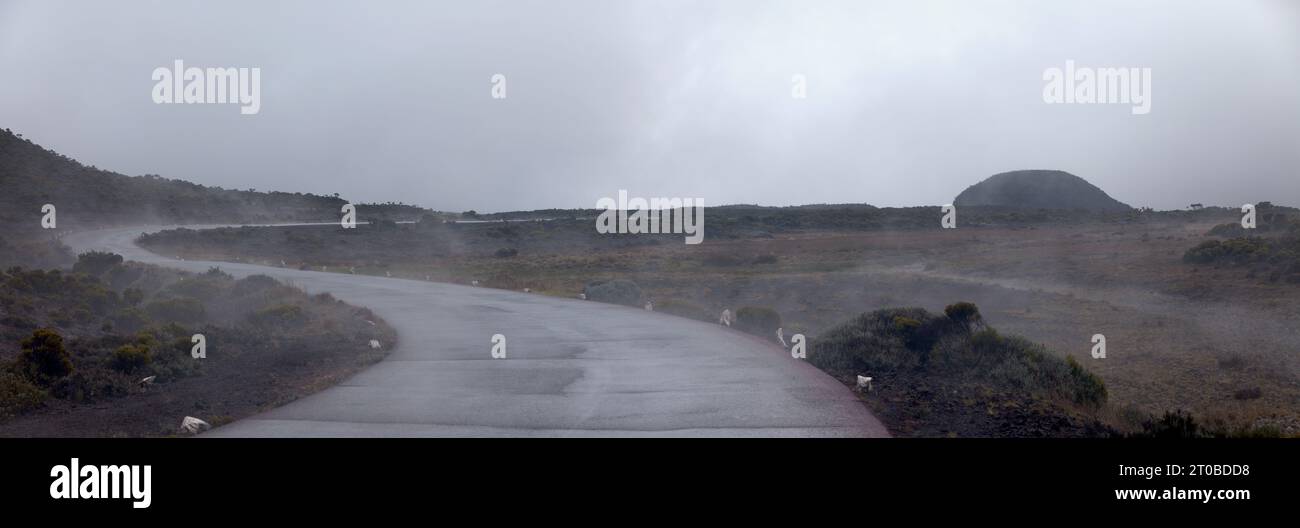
<point>618,291</point>
<point>503,280</point>
<point>1252,393</point>
<point>1180,424</point>
<point>1177,424</point>
<point>868,343</point>
<point>937,348</point>
<point>758,320</point>
<point>1088,388</point>
<point>1236,250</point>
<point>216,273</point>
<point>254,284</point>
<point>686,309</point>
<point>965,314</point>
<point>202,286</point>
<point>129,320</point>
<point>986,342</point>
<point>96,262</point>
<point>133,296</point>
<point>129,358</point>
<point>92,385</point>
<point>921,334</point>
<point>278,314</point>
<point>43,358</point>
<point>17,396</point>
<point>906,325</point>
<point>1227,230</point>
<point>180,310</point>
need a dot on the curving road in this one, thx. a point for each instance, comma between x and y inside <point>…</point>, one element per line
<point>574,368</point>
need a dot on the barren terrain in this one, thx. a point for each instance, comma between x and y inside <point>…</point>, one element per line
<point>1216,342</point>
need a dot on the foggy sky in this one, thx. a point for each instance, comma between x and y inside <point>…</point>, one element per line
<point>907,102</point>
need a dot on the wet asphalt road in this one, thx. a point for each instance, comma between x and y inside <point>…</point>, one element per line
<point>573,368</point>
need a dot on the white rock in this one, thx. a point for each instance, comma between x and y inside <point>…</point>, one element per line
<point>194,425</point>
<point>374,343</point>
<point>148,381</point>
<point>864,383</point>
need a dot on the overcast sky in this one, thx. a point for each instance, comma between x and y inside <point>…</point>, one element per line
<point>907,102</point>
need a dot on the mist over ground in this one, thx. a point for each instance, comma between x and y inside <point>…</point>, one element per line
<point>907,102</point>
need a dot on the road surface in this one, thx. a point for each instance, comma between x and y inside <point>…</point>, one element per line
<point>573,368</point>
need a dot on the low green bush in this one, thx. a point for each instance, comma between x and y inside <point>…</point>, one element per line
<point>758,320</point>
<point>965,314</point>
<point>255,284</point>
<point>915,342</point>
<point>617,291</point>
<point>43,358</point>
<point>133,296</point>
<point>686,309</point>
<point>1236,250</point>
<point>130,358</point>
<point>96,262</point>
<point>276,315</point>
<point>179,310</point>
<point>17,396</point>
<point>1175,424</point>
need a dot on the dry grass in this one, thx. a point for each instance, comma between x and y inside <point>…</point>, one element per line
<point>1179,336</point>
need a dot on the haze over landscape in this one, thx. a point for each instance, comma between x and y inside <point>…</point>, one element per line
<point>908,224</point>
<point>1102,279</point>
<point>908,103</point>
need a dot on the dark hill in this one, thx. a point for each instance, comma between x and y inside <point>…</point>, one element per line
<point>31,176</point>
<point>1038,189</point>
